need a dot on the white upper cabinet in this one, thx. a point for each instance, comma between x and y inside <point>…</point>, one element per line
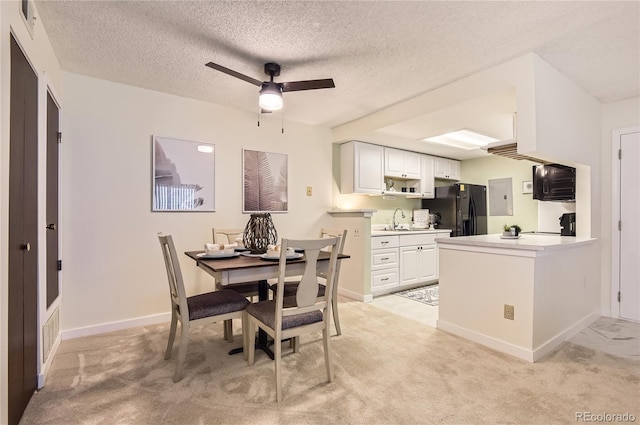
<point>402,164</point>
<point>447,169</point>
<point>427,189</point>
<point>361,168</point>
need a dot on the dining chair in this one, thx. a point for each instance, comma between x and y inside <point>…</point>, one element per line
<point>246,289</point>
<point>290,286</point>
<point>217,306</point>
<point>289,317</point>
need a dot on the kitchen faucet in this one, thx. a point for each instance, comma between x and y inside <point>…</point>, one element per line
<point>393,223</point>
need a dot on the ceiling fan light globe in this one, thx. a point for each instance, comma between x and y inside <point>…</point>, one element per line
<point>270,97</point>
<point>270,101</point>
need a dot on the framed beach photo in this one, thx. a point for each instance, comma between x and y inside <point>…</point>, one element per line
<point>264,182</point>
<point>183,175</point>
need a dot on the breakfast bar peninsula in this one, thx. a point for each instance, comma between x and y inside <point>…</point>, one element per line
<point>520,296</point>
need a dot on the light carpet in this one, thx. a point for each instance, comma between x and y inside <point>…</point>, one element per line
<point>388,370</point>
<point>424,294</point>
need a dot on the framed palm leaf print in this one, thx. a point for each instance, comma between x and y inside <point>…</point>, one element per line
<point>264,182</point>
<point>183,175</point>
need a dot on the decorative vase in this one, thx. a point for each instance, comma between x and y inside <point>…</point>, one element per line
<point>260,233</point>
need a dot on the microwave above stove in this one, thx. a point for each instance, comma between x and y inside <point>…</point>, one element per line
<point>554,182</point>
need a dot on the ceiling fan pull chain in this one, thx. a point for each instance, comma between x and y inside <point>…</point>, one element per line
<point>282,115</point>
<point>258,117</point>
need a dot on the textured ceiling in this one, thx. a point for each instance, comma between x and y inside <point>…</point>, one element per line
<point>378,53</point>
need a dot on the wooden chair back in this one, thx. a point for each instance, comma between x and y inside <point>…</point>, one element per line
<point>227,235</point>
<point>307,299</point>
<point>174,275</point>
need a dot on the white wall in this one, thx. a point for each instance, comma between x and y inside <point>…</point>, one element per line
<point>39,53</point>
<point>615,115</point>
<point>113,268</point>
<point>568,131</point>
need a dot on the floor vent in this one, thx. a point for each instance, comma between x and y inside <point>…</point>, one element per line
<point>50,332</point>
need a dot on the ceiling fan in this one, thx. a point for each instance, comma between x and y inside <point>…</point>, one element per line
<point>270,91</point>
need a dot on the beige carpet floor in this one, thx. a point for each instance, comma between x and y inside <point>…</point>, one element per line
<point>388,370</point>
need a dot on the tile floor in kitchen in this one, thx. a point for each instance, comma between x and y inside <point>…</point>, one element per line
<point>614,336</point>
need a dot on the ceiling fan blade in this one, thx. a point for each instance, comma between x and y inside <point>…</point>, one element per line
<point>308,85</point>
<point>234,73</point>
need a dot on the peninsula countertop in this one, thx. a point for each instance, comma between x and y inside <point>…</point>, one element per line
<point>526,241</point>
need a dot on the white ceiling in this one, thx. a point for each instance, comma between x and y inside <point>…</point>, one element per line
<point>378,53</point>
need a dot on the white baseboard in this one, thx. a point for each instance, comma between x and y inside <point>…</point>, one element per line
<point>565,335</point>
<point>354,295</point>
<point>488,341</point>
<point>517,351</point>
<point>116,326</point>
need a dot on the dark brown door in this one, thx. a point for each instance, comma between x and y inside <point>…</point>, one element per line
<point>23,242</point>
<point>52,200</point>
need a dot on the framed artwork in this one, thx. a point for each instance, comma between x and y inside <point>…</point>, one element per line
<point>183,175</point>
<point>527,187</point>
<point>264,182</point>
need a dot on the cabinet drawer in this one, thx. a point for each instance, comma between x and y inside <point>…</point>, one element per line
<point>378,242</point>
<point>419,239</point>
<point>384,278</point>
<point>384,258</point>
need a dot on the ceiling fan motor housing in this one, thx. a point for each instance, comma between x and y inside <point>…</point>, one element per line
<point>272,69</point>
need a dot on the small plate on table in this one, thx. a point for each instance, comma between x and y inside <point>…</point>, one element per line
<point>241,249</point>
<point>203,256</point>
<point>277,258</point>
<point>509,237</point>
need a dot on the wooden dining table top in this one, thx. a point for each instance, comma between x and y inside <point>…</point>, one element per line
<point>246,262</point>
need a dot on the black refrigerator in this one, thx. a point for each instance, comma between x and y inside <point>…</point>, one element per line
<point>460,207</point>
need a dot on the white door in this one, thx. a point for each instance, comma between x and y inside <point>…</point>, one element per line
<point>412,165</point>
<point>409,264</point>
<point>428,263</point>
<point>369,167</point>
<point>630,227</point>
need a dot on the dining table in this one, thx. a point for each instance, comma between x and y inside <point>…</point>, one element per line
<point>242,267</point>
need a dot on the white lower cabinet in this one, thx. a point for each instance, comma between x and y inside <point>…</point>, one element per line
<point>418,264</point>
<point>403,261</point>
<point>384,263</point>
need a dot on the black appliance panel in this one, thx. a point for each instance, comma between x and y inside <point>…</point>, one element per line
<point>568,224</point>
<point>554,182</point>
<point>461,207</point>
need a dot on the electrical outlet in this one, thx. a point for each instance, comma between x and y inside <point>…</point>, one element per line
<point>509,312</point>
<point>309,191</point>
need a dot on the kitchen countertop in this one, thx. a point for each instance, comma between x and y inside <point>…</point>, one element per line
<point>530,242</point>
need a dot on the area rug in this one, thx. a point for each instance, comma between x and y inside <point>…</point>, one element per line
<point>424,294</point>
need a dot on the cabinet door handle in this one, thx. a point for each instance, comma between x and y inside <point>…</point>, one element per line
<point>384,259</point>
<point>385,279</point>
<point>26,247</point>
<point>384,242</point>
<point>51,226</point>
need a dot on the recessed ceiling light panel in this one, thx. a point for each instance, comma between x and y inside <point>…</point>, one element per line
<point>462,139</point>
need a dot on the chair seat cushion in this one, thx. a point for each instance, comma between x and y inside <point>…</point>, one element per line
<point>215,303</point>
<point>242,288</point>
<point>265,311</point>
<point>290,289</point>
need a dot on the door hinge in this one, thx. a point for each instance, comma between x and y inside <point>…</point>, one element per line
<point>59,137</point>
<point>59,265</point>
<point>618,296</point>
<point>619,224</point>
<point>619,153</point>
